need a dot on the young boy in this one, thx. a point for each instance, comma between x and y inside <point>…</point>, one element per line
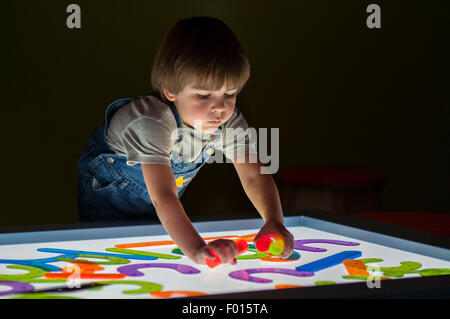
<point>138,163</point>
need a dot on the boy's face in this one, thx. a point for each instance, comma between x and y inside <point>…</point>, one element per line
<point>203,109</point>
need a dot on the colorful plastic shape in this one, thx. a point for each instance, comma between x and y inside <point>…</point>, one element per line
<point>329,261</point>
<point>300,244</point>
<point>356,267</point>
<point>247,274</point>
<point>86,270</point>
<point>276,247</point>
<point>272,243</point>
<point>168,294</point>
<point>213,262</point>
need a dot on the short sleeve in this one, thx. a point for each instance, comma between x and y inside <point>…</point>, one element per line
<point>238,138</point>
<point>147,140</point>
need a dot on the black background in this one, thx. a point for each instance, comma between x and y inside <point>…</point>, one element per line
<point>340,93</point>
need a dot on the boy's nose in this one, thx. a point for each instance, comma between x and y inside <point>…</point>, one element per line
<point>218,107</point>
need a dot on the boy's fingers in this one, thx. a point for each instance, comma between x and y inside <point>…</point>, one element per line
<point>208,254</point>
<point>222,254</point>
<point>232,252</point>
<point>234,249</point>
<point>289,248</point>
<point>258,236</point>
<point>286,253</point>
<point>229,249</point>
<point>228,252</point>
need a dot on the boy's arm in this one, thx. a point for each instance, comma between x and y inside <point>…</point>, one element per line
<point>161,187</point>
<point>263,193</point>
<point>260,189</point>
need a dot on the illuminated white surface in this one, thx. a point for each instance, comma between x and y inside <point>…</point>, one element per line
<point>217,280</point>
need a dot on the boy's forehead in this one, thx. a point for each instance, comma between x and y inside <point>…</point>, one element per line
<point>196,86</point>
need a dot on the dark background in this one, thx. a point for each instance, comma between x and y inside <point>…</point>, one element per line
<point>341,94</point>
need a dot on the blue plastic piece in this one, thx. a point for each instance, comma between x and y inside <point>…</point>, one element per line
<point>329,261</point>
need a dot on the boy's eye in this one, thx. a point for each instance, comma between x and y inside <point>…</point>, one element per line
<point>228,96</point>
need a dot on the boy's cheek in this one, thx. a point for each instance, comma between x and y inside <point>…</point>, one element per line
<point>228,114</point>
<point>193,113</point>
<point>198,110</point>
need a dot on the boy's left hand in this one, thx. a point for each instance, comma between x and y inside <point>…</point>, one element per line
<point>277,228</point>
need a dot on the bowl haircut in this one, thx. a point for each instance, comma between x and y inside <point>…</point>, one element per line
<point>202,51</point>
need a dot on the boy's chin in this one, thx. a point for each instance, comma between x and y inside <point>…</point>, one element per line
<point>210,129</point>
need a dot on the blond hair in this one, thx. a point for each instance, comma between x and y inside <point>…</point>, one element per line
<point>203,51</point>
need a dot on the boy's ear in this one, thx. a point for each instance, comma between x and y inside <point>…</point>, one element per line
<point>171,97</point>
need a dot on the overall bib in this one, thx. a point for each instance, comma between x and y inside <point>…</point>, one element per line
<point>110,189</point>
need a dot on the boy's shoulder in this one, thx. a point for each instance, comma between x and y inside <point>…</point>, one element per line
<point>236,120</point>
<point>144,107</point>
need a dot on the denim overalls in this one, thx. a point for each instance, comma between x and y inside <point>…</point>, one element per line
<point>110,189</point>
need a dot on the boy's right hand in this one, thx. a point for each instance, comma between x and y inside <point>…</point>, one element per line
<point>225,248</point>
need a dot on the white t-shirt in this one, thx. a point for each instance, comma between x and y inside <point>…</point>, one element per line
<point>145,131</point>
